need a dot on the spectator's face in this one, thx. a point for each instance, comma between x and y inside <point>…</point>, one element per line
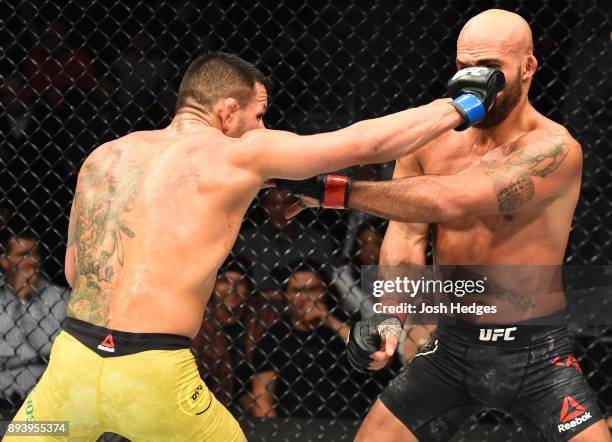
<point>305,292</point>
<point>22,259</point>
<point>369,247</point>
<point>230,293</point>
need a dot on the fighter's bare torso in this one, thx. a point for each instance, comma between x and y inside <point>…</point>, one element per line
<point>155,214</point>
<point>529,236</point>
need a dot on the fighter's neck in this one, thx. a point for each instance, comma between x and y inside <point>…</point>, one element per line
<point>189,120</point>
<point>516,123</point>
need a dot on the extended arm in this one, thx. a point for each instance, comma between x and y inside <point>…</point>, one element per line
<point>540,167</point>
<point>274,154</point>
<point>278,154</point>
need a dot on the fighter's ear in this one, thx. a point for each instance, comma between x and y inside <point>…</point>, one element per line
<point>529,68</point>
<point>227,108</point>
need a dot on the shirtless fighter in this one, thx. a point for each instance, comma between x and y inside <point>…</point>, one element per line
<point>155,214</point>
<point>500,193</point>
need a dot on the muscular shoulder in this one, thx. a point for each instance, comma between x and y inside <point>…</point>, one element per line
<point>108,151</point>
<point>550,145</point>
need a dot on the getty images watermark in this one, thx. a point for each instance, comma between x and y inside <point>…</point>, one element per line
<point>491,294</point>
<point>404,287</point>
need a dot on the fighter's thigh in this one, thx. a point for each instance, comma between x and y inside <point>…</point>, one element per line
<point>66,391</point>
<point>382,426</point>
<point>557,401</point>
<point>37,410</point>
<point>597,432</point>
<point>161,393</point>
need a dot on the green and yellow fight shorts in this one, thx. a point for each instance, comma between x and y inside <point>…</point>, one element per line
<point>143,386</point>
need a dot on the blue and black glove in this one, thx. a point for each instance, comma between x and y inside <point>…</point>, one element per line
<point>473,91</point>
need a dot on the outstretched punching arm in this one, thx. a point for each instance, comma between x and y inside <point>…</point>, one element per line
<point>277,154</point>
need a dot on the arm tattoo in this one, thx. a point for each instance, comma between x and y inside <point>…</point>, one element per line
<point>99,234</point>
<point>513,176</point>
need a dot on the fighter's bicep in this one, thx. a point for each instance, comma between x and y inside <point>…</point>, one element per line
<point>279,154</point>
<point>537,171</point>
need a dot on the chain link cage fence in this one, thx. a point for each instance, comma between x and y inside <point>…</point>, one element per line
<point>77,73</point>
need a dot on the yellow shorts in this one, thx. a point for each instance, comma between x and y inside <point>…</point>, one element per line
<point>147,395</point>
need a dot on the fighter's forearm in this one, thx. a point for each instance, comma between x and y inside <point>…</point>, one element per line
<point>402,133</point>
<point>420,199</point>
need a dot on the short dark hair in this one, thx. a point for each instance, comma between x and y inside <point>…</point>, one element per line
<point>215,75</point>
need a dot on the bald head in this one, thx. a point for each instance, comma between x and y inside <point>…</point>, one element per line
<point>499,30</point>
<point>500,39</point>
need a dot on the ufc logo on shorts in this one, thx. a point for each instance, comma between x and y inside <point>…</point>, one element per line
<point>493,334</point>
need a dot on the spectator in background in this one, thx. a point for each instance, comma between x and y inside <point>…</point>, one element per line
<point>32,311</point>
<point>279,241</point>
<point>300,361</point>
<point>221,347</point>
<point>235,319</point>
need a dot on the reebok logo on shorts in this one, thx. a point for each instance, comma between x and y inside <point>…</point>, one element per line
<point>108,344</point>
<point>572,414</point>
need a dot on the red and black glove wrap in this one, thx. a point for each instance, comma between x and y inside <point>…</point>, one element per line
<point>331,191</point>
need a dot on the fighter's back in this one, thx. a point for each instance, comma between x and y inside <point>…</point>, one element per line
<point>154,215</point>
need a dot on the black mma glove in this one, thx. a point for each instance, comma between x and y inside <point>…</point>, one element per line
<point>365,338</point>
<point>332,191</point>
<point>473,91</point>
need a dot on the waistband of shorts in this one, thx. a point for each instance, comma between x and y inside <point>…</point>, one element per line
<point>107,342</point>
<point>520,334</point>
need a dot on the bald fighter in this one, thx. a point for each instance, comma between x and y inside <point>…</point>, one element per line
<point>500,193</point>
<point>155,214</point>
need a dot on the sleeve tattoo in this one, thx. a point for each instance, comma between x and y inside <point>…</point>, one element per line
<point>512,176</point>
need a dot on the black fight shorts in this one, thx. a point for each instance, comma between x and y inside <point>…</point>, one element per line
<point>526,370</point>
